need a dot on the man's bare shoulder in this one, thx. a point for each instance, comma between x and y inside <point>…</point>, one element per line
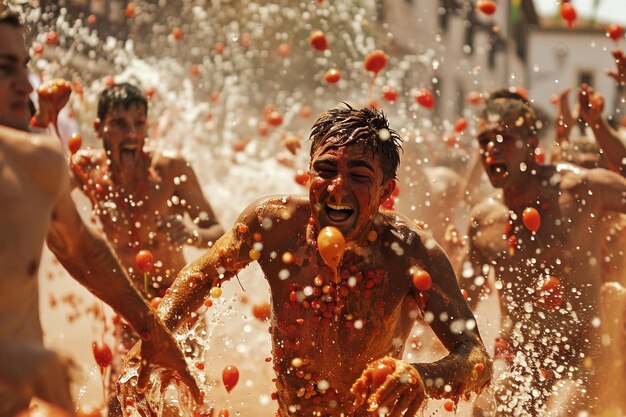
<point>38,157</point>
<point>29,144</point>
<point>168,160</point>
<point>278,208</point>
<point>400,229</point>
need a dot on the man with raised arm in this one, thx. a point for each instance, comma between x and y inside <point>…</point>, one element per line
<point>540,236</point>
<point>34,184</point>
<point>340,320</point>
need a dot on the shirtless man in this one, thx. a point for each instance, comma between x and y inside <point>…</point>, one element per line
<point>549,279</point>
<point>141,198</point>
<point>335,331</point>
<point>34,186</point>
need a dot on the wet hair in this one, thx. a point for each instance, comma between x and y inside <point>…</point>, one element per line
<point>343,126</point>
<point>510,105</point>
<point>122,94</point>
<point>10,17</point>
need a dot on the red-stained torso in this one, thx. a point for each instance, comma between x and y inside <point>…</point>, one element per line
<point>325,331</point>
<point>133,219</point>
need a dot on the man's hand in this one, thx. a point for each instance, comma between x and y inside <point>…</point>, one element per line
<point>53,96</point>
<point>591,105</point>
<point>619,73</point>
<point>157,348</point>
<point>179,230</point>
<point>392,384</point>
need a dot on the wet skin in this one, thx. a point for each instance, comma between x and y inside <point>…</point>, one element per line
<point>141,198</point>
<point>327,330</point>
<point>571,202</point>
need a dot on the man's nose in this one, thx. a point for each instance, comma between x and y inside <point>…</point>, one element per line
<point>492,148</point>
<point>336,184</point>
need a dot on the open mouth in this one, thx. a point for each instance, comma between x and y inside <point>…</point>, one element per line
<point>128,155</point>
<point>498,170</point>
<point>339,212</point>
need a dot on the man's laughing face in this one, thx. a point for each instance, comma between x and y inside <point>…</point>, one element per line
<point>346,189</point>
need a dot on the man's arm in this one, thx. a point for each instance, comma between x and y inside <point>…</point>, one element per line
<point>202,228</point>
<point>591,107</point>
<point>467,367</point>
<point>229,255</point>
<point>89,259</point>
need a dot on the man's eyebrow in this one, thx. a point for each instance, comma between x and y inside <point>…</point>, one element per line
<point>360,163</point>
<point>9,57</point>
<point>13,58</point>
<point>329,161</point>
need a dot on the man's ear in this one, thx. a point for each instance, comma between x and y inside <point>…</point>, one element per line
<point>388,188</point>
<point>96,126</point>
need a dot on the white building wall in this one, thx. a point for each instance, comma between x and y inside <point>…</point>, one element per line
<point>415,27</point>
<point>557,58</point>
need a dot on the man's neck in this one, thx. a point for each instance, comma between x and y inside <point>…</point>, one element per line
<point>526,193</point>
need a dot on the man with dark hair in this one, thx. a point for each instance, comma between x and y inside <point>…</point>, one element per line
<point>340,320</point>
<point>34,186</point>
<point>144,199</point>
<point>540,236</point>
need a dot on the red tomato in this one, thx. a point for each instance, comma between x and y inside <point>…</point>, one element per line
<point>531,219</point>
<point>230,376</point>
<point>375,61</point>
<point>488,7</point>
<point>381,370</point>
<point>154,302</point>
<point>262,311</point>
<point>421,279</point>
<point>150,92</point>
<point>275,118</point>
<point>283,50</point>
<point>549,293</point>
<point>331,245</point>
<point>615,32</point>
<point>130,10</point>
<point>540,156</point>
<point>37,49</point>
<point>318,40</point>
<point>52,37</point>
<point>219,48</point>
<point>461,125</point>
<point>568,13</point>
<point>332,76</point>
<point>177,33</point>
<point>389,93</point>
<point>144,260</point>
<point>449,404</point>
<point>74,143</point>
<point>475,97</point>
<point>103,354</point>
<point>306,112</point>
<point>301,177</point>
<point>194,70</point>
<point>92,19</point>
<point>425,98</point>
